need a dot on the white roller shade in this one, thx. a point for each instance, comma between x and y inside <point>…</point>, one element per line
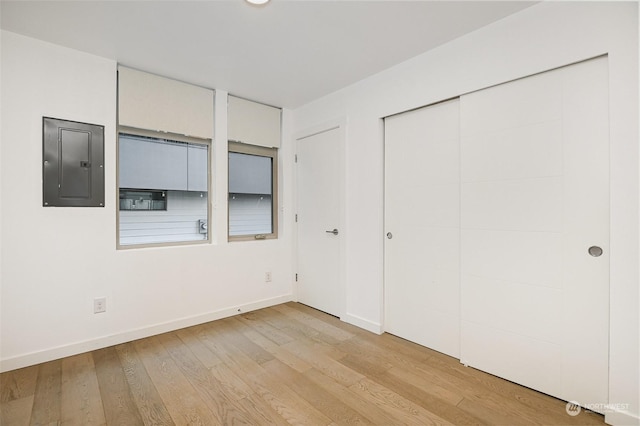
<point>253,123</point>
<point>147,101</point>
<point>249,174</point>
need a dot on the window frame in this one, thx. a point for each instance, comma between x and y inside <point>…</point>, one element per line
<point>126,130</point>
<point>261,151</point>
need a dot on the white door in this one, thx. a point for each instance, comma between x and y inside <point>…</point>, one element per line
<point>534,200</point>
<point>319,215</point>
<point>499,249</point>
<point>422,221</point>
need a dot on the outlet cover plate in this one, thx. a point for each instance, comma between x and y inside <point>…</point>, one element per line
<point>99,305</point>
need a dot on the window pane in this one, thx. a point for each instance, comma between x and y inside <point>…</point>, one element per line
<point>249,174</point>
<point>249,214</point>
<point>163,190</point>
<point>250,194</point>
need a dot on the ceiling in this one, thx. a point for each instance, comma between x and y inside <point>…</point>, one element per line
<point>286,53</point>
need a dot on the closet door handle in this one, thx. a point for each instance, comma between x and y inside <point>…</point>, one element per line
<point>334,232</point>
<point>595,251</point>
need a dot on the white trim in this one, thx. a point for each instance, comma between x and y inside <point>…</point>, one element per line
<point>128,336</point>
<point>220,172</point>
<point>324,130</point>
<point>363,323</point>
<point>325,126</point>
<point>619,418</point>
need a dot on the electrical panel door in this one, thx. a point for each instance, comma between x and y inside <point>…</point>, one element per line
<point>73,164</point>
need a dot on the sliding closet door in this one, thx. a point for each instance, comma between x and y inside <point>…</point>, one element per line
<point>535,231</point>
<point>422,214</point>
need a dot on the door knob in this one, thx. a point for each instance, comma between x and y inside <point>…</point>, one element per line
<point>595,251</point>
<point>389,235</point>
<point>334,232</point>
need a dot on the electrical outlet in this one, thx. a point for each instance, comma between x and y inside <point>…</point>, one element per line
<point>267,277</point>
<point>99,305</point>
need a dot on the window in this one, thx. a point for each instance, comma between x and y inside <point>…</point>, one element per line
<point>142,199</point>
<point>163,189</point>
<point>252,192</point>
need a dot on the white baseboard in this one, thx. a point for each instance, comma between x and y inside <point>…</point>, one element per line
<point>128,336</point>
<point>618,418</point>
<point>363,323</point>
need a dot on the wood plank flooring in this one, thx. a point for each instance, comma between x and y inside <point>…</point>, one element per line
<point>288,364</point>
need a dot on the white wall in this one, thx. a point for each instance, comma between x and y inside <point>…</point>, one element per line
<point>543,37</point>
<point>56,260</point>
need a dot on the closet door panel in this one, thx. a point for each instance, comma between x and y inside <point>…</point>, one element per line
<point>530,204</point>
<point>494,155</point>
<point>534,198</point>
<point>533,258</point>
<point>518,358</point>
<point>422,216</point>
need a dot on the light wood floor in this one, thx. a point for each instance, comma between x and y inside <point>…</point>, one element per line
<point>285,364</point>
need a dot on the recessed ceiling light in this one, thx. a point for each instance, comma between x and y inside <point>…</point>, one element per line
<point>258,2</point>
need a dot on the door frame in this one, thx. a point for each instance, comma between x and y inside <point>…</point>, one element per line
<point>341,125</point>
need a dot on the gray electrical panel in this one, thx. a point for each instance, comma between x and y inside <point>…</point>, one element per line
<point>73,164</point>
